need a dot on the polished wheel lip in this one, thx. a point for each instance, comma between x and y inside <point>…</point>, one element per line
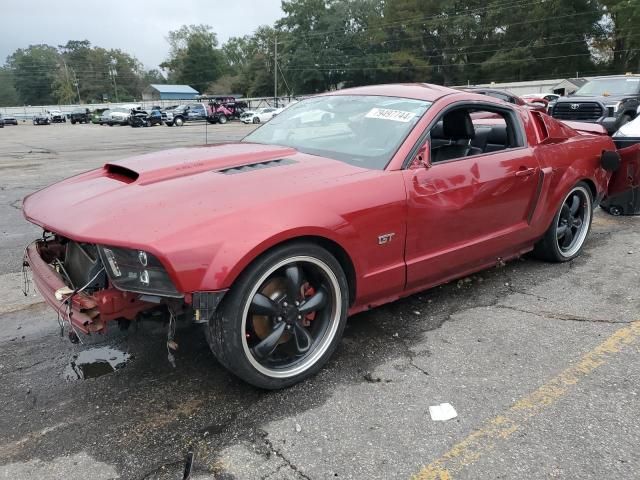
<point>578,241</point>
<point>328,335</point>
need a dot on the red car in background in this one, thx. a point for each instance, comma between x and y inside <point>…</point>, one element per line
<point>343,202</point>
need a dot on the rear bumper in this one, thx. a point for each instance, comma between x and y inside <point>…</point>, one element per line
<point>48,281</point>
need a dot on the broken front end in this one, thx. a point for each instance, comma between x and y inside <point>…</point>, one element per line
<point>623,193</point>
<point>89,285</point>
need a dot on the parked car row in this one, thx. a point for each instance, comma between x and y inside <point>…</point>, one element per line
<point>219,110</point>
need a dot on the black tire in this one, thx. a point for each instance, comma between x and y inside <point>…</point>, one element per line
<point>233,327</point>
<point>222,119</point>
<point>169,124</point>
<point>73,122</point>
<point>614,210</point>
<point>178,121</point>
<point>256,120</point>
<point>551,246</point>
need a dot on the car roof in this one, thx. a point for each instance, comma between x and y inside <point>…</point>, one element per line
<point>417,91</point>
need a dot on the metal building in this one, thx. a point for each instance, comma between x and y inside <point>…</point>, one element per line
<point>169,92</point>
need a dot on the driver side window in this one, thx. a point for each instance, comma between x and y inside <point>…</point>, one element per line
<point>473,130</point>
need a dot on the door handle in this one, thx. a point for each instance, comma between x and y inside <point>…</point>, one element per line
<point>525,172</point>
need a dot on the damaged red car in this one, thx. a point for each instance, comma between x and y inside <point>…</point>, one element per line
<point>343,202</point>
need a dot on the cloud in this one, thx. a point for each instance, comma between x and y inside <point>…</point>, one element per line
<point>136,27</point>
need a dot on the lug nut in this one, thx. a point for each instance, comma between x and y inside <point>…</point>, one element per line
<point>299,317</point>
<point>285,304</point>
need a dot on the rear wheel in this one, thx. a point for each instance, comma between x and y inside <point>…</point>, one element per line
<point>283,318</point>
<point>564,239</point>
<point>222,119</point>
<point>256,120</point>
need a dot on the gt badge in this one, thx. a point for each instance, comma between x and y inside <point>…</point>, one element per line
<point>386,238</point>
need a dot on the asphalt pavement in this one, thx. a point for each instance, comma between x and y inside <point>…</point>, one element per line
<point>540,361</point>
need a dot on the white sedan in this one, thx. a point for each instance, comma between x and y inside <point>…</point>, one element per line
<point>259,115</point>
<point>630,129</point>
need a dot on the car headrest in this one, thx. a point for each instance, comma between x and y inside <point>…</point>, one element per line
<point>457,125</point>
<point>438,131</point>
<point>498,135</point>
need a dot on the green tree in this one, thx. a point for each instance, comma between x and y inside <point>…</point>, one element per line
<point>34,70</point>
<point>621,42</point>
<point>8,92</point>
<point>194,58</point>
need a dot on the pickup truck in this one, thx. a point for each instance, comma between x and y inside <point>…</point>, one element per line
<point>80,115</point>
<point>181,114</point>
<point>609,101</point>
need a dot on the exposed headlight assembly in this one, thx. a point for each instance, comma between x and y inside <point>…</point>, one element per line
<point>137,271</point>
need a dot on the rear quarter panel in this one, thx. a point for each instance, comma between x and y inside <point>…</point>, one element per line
<point>564,162</point>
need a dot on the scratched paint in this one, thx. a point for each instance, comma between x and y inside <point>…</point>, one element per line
<point>503,426</point>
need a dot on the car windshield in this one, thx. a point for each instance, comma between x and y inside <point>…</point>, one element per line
<point>121,110</point>
<point>360,130</point>
<point>610,86</point>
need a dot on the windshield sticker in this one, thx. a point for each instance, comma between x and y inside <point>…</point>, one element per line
<point>388,114</point>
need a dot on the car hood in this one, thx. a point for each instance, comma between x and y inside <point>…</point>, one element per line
<point>145,199</point>
<point>597,98</point>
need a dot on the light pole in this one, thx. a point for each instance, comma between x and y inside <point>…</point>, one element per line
<point>114,73</point>
<point>77,85</point>
<point>275,71</point>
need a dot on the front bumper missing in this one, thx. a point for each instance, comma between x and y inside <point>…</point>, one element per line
<point>85,312</point>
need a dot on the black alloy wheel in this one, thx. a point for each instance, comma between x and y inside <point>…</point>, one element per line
<point>570,227</point>
<point>283,318</point>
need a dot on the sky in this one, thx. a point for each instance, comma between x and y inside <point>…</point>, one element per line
<point>138,27</point>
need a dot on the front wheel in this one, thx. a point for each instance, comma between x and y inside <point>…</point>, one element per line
<point>283,318</point>
<point>564,239</point>
<point>256,120</point>
<point>222,119</point>
<point>178,122</point>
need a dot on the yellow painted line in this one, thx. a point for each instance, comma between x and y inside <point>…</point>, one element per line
<point>501,427</point>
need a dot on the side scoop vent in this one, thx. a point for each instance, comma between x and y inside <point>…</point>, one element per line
<point>123,174</point>
<point>250,167</point>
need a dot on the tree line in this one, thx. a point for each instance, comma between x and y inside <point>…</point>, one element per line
<point>329,44</point>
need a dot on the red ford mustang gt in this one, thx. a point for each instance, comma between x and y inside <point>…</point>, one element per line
<point>343,202</point>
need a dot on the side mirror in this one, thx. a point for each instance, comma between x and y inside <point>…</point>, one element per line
<point>421,158</point>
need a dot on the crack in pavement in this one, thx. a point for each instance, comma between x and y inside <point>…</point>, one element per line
<point>269,444</point>
<point>556,316</point>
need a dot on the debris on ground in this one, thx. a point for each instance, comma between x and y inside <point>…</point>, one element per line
<point>442,412</point>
